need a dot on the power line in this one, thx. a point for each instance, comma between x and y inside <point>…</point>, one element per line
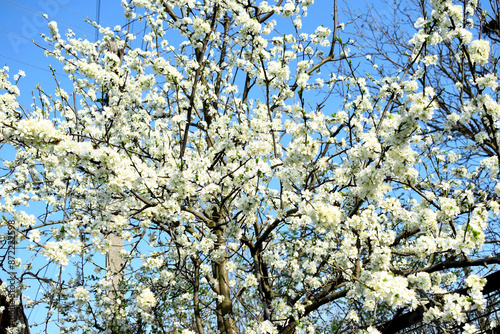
<point>32,11</point>
<point>14,34</point>
<point>28,64</point>
<point>66,8</point>
<point>74,11</point>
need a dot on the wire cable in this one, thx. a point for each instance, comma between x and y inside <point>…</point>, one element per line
<point>66,8</point>
<point>32,11</point>
<point>28,64</point>
<point>14,34</point>
<point>71,10</point>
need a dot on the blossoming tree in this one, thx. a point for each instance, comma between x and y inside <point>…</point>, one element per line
<point>249,195</point>
<point>459,77</point>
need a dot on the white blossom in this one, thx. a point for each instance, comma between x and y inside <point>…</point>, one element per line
<point>146,299</point>
<point>479,51</point>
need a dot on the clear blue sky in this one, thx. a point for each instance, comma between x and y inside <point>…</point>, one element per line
<point>21,22</point>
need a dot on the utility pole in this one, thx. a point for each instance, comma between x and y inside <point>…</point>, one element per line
<point>114,263</point>
<point>114,260</point>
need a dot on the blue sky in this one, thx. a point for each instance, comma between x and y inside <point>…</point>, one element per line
<point>21,22</point>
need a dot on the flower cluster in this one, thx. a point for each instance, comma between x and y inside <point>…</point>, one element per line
<point>479,51</point>
<point>146,300</point>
